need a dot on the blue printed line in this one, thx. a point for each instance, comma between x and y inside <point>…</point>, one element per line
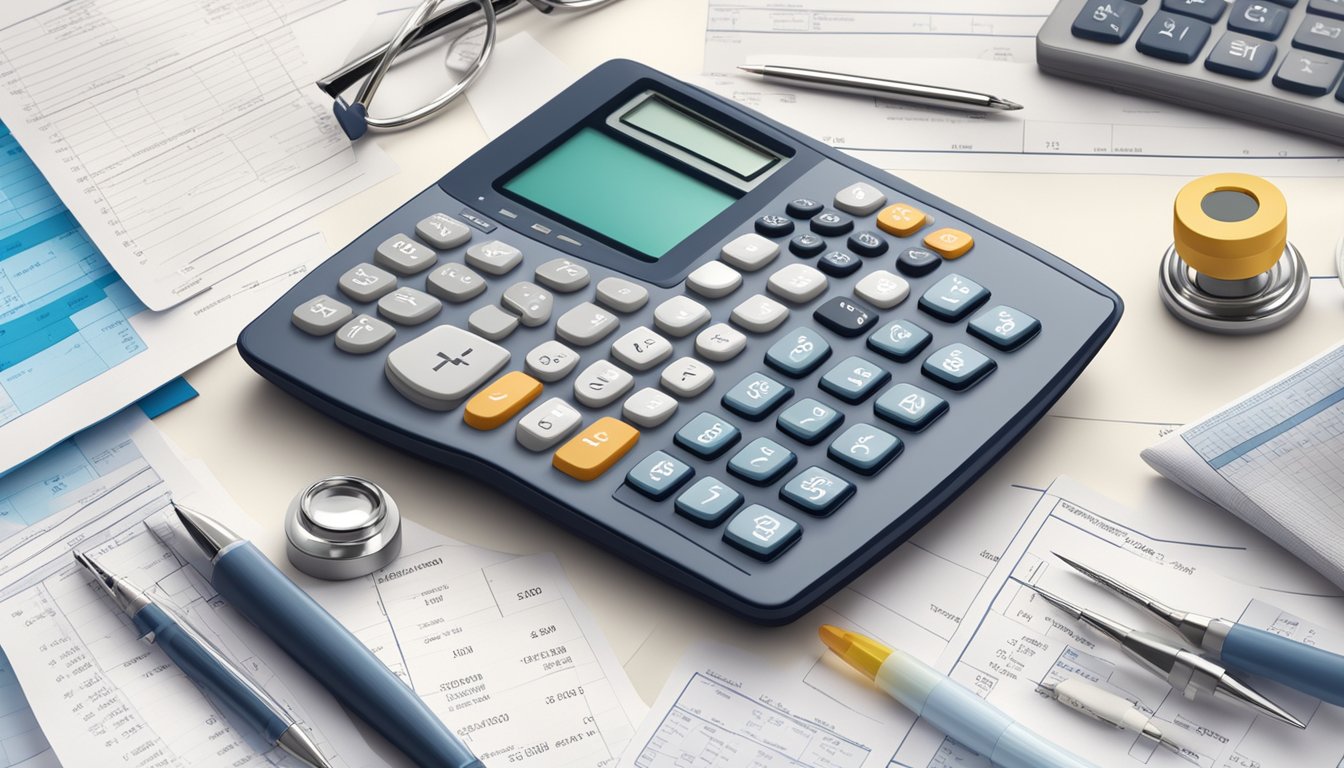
<point>40,329</point>
<point>1246,446</point>
<point>49,228</point>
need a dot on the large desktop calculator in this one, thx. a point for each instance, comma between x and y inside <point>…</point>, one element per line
<point>726,352</point>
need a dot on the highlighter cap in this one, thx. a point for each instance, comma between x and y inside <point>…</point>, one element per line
<point>860,652</point>
<point>1230,226</point>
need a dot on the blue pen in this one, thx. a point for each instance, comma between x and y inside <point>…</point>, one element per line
<point>242,701</point>
<point>1303,667</point>
<point>322,645</point>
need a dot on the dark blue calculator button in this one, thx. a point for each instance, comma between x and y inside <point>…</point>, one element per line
<point>809,421</point>
<point>1107,21</point>
<point>774,225</point>
<point>865,448</point>
<point>1258,17</point>
<point>803,208</point>
<point>1320,35</point>
<point>756,396</point>
<point>707,436</point>
<point>708,501</point>
<point>831,223</point>
<point>953,298</point>
<point>762,461</point>
<point>854,379</point>
<point>807,245</point>
<point>910,407</point>
<point>844,316</point>
<point>798,353</point>
<point>958,366</point>
<point>761,532</point>
<point>917,262</point>
<point>838,264</point>
<point>900,340</point>
<point>658,475</point>
<point>1328,7</point>
<point>868,243</point>
<point>1240,56</point>
<point>1204,10</point>
<point>1309,73</point>
<point>1174,37</point>
<point>816,491</point>
<point>1004,327</point>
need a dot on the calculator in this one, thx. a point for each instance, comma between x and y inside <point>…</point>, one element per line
<point>1277,62</point>
<point>730,354</point>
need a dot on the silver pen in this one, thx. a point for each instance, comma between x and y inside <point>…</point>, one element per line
<point>896,90</point>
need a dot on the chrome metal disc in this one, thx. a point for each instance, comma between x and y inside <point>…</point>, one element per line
<point>342,528</point>
<point>1282,296</point>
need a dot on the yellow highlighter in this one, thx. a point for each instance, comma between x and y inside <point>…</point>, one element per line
<point>955,711</point>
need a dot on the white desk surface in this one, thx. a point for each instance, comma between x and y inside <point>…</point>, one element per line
<point>264,446</point>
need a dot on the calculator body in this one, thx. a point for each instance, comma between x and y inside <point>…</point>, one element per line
<point>764,547</point>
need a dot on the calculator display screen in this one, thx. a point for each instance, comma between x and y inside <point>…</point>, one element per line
<point>619,192</point>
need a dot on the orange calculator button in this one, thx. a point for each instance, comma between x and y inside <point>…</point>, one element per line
<point>501,400</point>
<point>595,449</point>
<point>950,242</point>
<point>901,220</point>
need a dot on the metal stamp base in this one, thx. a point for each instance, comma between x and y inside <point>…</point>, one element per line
<point>1271,300</point>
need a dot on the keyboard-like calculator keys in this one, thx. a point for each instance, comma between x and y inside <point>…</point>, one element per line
<point>761,532</point>
<point>839,263</point>
<point>844,317</point>
<point>917,262</point>
<point>1309,73</point>
<point>760,314</point>
<point>950,243</point>
<point>321,316</point>
<point>659,475</point>
<point>762,461</point>
<point>899,340</point>
<point>442,366</point>
<point>365,282</point>
<point>854,379</point>
<point>708,435</point>
<point>910,407</point>
<point>1107,21</point>
<point>363,335</point>
<point>720,342</point>
<point>492,322</point>
<point>797,283</point>
<point>809,421</point>
<point>774,225</point>
<point>442,231</point>
<point>595,449</point>
<point>621,295</point>
<point>953,298</point>
<point>708,501</point>
<point>749,252</point>
<point>1200,9</point>
<point>680,315</point>
<point>958,366</point>
<point>1257,17</point>
<point>686,377</point>
<point>530,302</point>
<point>803,208</point>
<point>602,384</point>
<point>868,244</point>
<point>865,448</point>
<point>882,289</point>
<point>641,349</point>
<point>494,257</point>
<point>543,427</point>
<point>807,245</point>
<point>756,396</point>
<point>1241,56</point>
<point>1004,327</point>
<point>714,280</point>
<point>860,199</point>
<point>551,361</point>
<point>901,219</point>
<point>816,491</point>
<point>407,306</point>
<point>501,400</point>
<point>648,408</point>
<point>585,325</point>
<point>798,352</point>
<point>562,275</point>
<point>1321,35</point>
<point>403,255</point>
<point>455,283</point>
<point>1174,37</point>
<point>831,224</point>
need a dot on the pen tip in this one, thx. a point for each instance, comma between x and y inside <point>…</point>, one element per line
<point>1004,104</point>
<point>209,534</point>
<point>754,69</point>
<point>835,638</point>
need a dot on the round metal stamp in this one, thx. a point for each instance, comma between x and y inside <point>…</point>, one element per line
<point>342,528</point>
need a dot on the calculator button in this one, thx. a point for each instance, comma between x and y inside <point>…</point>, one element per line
<point>641,349</point>
<point>494,257</point>
<point>501,400</point>
<point>658,475</point>
<point>601,384</point>
<point>407,306</point>
<point>756,396</point>
<point>865,448</point>
<point>816,491</point>
<point>882,289</point>
<point>917,262</point>
<point>1258,17</point>
<point>1328,7</point>
<point>798,353</point>
<point>808,421</point>
<point>585,325</point>
<point>1204,10</point>
<point>442,231</point>
<point>720,342</point>
<point>550,361</point>
<point>760,314</point>
<point>1239,56</point>
<point>707,436</point>
<point>860,199</point>
<point>547,424</point>
<point>492,322</point>
<point>648,408</point>
<point>401,254</point>
<point>1107,21</point>
<point>321,315</point>
<point>1309,73</point>
<point>909,407</point>
<point>845,317</point>
<point>621,294</point>
<point>687,377</point>
<point>761,532</point>
<point>774,225</point>
<point>803,208</point>
<point>900,340</point>
<point>595,449</point>
<point>708,501</point>
<point>868,244</point>
<point>1004,327</point>
<point>680,315</point>
<point>762,461</point>
<point>1320,35</point>
<point>365,282</point>
<point>854,379</point>
<point>749,252</point>
<point>951,243</point>
<point>530,302</point>
<point>562,275</point>
<point>363,335</point>
<point>838,263</point>
<point>714,280</point>
<point>957,366</point>
<point>442,366</point>
<point>831,224</point>
<point>797,283</point>
<point>455,283</point>
<point>953,298</point>
<point>807,245</point>
<point>901,220</point>
<point>1174,37</point>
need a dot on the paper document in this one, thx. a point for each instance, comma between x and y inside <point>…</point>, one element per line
<point>189,148</point>
<point>1274,458</point>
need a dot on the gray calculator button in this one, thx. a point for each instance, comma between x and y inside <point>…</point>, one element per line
<point>816,491</point>
<point>494,257</point>
<point>760,314</point>
<point>860,199</point>
<point>910,407</point>
<point>720,342</point>
<point>708,501</point>
<point>749,252</point>
<point>455,283</point>
<point>585,324</point>
<point>1174,37</point>
<point>953,298</point>
<point>900,340</point>
<point>407,306</point>
<point>530,302</point>
<point>401,254</point>
<point>321,316</point>
<point>1004,327</point>
<point>1320,35</point>
<point>601,383</point>
<point>562,275</point>
<point>680,315</point>
<point>1261,18</point>
<point>756,395</point>
<point>648,408</point>
<point>1107,21</point>
<point>714,280</point>
<point>641,349</point>
<point>761,532</point>
<point>707,436</point>
<point>882,289</point>
<point>442,366</point>
<point>551,361</point>
<point>865,448</point>
<point>659,475</point>
<point>854,379</point>
<point>621,294</point>
<point>547,424</point>
<point>492,322</point>
<point>363,335</point>
<point>762,461</point>
<point>1328,7</point>
<point>808,421</point>
<point>1240,56</point>
<point>797,283</point>
<point>687,377</point>
<point>442,231</point>
<point>1200,9</point>
<point>1309,73</point>
<point>365,282</point>
<point>958,366</point>
<point>798,352</point>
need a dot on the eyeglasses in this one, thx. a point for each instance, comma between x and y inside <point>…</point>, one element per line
<point>429,20</point>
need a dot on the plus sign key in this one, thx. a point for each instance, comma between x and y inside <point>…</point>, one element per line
<point>440,368</point>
